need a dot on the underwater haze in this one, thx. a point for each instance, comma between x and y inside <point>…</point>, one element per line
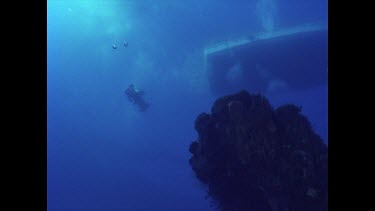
<point>105,154</point>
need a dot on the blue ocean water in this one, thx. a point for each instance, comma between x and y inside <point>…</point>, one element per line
<point>103,154</point>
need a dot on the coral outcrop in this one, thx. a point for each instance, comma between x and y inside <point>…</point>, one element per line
<point>256,158</point>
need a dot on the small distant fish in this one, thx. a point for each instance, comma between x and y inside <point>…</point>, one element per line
<point>125,44</point>
<point>114,46</point>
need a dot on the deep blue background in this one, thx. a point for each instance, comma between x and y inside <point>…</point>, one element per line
<point>105,155</point>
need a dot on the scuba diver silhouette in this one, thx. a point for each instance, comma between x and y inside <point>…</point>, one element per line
<point>136,97</point>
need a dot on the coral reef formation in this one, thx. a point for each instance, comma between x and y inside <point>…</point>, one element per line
<point>252,157</point>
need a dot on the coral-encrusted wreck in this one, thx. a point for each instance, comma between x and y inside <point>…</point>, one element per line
<point>255,158</point>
